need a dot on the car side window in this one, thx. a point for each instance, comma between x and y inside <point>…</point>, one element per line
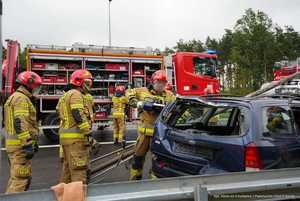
<point>277,121</point>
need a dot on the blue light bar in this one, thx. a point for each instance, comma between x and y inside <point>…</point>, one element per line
<point>211,51</point>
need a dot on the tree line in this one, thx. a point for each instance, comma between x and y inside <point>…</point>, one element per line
<point>248,51</point>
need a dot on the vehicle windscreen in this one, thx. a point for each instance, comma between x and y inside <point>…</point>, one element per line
<point>278,121</point>
<point>210,120</point>
<point>205,66</point>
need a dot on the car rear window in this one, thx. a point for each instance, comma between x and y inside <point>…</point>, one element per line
<point>278,121</point>
<point>204,119</point>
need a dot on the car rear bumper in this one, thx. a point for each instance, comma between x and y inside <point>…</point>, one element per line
<point>162,167</point>
<point>165,171</point>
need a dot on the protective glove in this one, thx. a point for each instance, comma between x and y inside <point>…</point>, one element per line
<point>29,150</point>
<point>94,145</point>
<point>35,146</point>
<point>158,107</point>
<point>89,139</point>
<point>148,106</point>
<point>140,104</point>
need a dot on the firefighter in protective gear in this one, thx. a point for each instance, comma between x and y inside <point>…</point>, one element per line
<point>144,99</point>
<point>75,129</point>
<point>119,103</point>
<point>21,131</point>
<point>89,105</point>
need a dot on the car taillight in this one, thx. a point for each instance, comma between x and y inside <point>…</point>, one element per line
<point>252,158</point>
<point>162,164</point>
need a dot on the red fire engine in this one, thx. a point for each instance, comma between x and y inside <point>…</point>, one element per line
<point>110,66</point>
<point>191,74</point>
<point>283,69</point>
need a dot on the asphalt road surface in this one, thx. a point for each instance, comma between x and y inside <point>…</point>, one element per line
<point>101,135</point>
<point>47,166</point>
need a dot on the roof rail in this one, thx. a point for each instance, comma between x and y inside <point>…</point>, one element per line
<point>281,96</point>
<point>221,95</point>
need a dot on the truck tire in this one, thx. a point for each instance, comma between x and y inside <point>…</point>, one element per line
<point>51,134</point>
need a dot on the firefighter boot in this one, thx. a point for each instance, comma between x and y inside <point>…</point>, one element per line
<point>135,174</point>
<point>152,176</point>
<point>136,171</point>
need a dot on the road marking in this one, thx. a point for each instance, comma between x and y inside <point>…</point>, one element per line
<point>57,145</point>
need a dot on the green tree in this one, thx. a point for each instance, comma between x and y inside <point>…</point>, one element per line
<point>253,49</point>
<point>168,51</point>
<point>224,52</point>
<point>249,51</point>
<point>212,44</point>
<point>189,46</point>
<point>287,42</point>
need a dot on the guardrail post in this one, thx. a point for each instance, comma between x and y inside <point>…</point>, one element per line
<point>200,193</point>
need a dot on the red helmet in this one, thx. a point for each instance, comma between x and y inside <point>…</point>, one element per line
<point>29,79</point>
<point>79,76</point>
<point>120,89</point>
<point>159,75</point>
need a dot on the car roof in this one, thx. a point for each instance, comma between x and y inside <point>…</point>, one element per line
<point>258,101</point>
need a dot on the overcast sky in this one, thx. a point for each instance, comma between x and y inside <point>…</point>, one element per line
<point>138,23</point>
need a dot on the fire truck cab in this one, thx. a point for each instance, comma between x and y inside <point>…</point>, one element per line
<point>190,73</point>
<point>193,74</point>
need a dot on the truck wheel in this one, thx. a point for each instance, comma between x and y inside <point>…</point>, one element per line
<point>51,134</point>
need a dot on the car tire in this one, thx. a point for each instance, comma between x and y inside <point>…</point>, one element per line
<point>51,134</point>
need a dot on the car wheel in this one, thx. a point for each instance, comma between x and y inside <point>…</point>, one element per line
<point>51,134</point>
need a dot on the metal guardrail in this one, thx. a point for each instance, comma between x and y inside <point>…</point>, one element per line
<point>283,184</point>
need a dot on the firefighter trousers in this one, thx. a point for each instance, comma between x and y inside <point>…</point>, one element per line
<point>119,128</point>
<point>20,171</point>
<point>75,162</point>
<point>142,147</point>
